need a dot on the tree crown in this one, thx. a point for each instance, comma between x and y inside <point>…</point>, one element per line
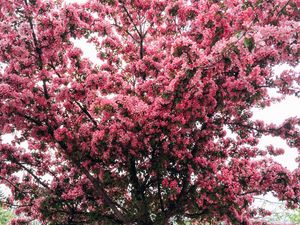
<point>144,136</point>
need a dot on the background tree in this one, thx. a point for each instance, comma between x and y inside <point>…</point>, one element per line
<point>5,214</point>
<point>295,216</point>
<point>143,137</point>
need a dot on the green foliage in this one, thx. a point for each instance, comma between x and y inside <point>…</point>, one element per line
<point>295,216</point>
<point>5,216</point>
<point>249,43</point>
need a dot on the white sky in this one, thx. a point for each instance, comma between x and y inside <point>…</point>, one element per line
<point>277,113</point>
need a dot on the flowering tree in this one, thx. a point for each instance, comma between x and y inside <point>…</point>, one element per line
<point>143,137</point>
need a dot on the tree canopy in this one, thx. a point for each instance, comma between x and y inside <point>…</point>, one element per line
<point>161,129</point>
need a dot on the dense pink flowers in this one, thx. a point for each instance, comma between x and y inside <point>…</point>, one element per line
<point>161,129</point>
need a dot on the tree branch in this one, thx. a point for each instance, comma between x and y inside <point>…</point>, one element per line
<point>126,31</point>
<point>130,18</point>
<point>138,191</point>
<point>31,173</point>
<point>86,112</point>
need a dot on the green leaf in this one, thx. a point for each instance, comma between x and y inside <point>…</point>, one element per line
<point>174,11</point>
<point>295,216</point>
<point>166,95</point>
<point>259,2</point>
<point>249,43</point>
<point>5,216</point>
